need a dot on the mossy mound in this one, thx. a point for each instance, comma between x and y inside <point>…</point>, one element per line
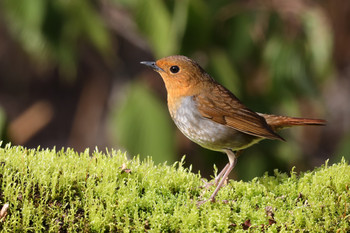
<point>65,191</point>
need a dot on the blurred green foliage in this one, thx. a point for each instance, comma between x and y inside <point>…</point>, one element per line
<point>343,149</point>
<point>51,31</point>
<point>163,24</point>
<point>143,125</point>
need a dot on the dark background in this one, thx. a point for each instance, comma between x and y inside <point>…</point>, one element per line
<point>70,75</point>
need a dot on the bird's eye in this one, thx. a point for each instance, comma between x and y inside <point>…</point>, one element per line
<point>174,69</point>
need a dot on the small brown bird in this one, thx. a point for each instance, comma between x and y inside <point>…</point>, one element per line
<point>211,116</point>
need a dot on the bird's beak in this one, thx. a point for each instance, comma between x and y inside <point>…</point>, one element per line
<point>152,64</point>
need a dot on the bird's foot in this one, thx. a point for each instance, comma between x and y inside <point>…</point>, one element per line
<point>199,203</point>
<point>212,200</point>
<point>206,184</point>
<point>215,182</point>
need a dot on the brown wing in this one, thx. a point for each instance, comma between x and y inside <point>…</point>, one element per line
<point>221,106</point>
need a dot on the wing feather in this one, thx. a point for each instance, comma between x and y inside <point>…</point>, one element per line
<point>221,106</point>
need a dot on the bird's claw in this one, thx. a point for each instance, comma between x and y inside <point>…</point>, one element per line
<point>206,185</point>
<point>199,203</point>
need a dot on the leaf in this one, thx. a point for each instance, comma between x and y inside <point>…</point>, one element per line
<point>319,38</point>
<point>154,20</point>
<point>52,31</point>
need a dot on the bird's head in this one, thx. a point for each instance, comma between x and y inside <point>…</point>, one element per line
<point>180,74</point>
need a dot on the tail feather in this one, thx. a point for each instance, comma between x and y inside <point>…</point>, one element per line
<point>281,122</point>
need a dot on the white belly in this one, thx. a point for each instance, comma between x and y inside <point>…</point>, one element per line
<point>206,132</point>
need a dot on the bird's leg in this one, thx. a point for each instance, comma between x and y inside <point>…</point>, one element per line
<point>216,179</point>
<point>233,160</point>
<point>219,176</point>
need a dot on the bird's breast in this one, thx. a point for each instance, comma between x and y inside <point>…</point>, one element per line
<point>204,131</point>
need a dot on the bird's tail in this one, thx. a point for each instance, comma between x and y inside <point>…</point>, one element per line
<point>281,122</point>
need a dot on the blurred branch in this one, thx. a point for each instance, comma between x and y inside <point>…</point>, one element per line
<point>32,120</point>
<point>89,113</point>
<point>122,22</point>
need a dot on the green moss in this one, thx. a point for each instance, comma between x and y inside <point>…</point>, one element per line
<point>63,191</point>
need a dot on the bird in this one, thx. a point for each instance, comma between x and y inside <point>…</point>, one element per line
<point>212,116</point>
